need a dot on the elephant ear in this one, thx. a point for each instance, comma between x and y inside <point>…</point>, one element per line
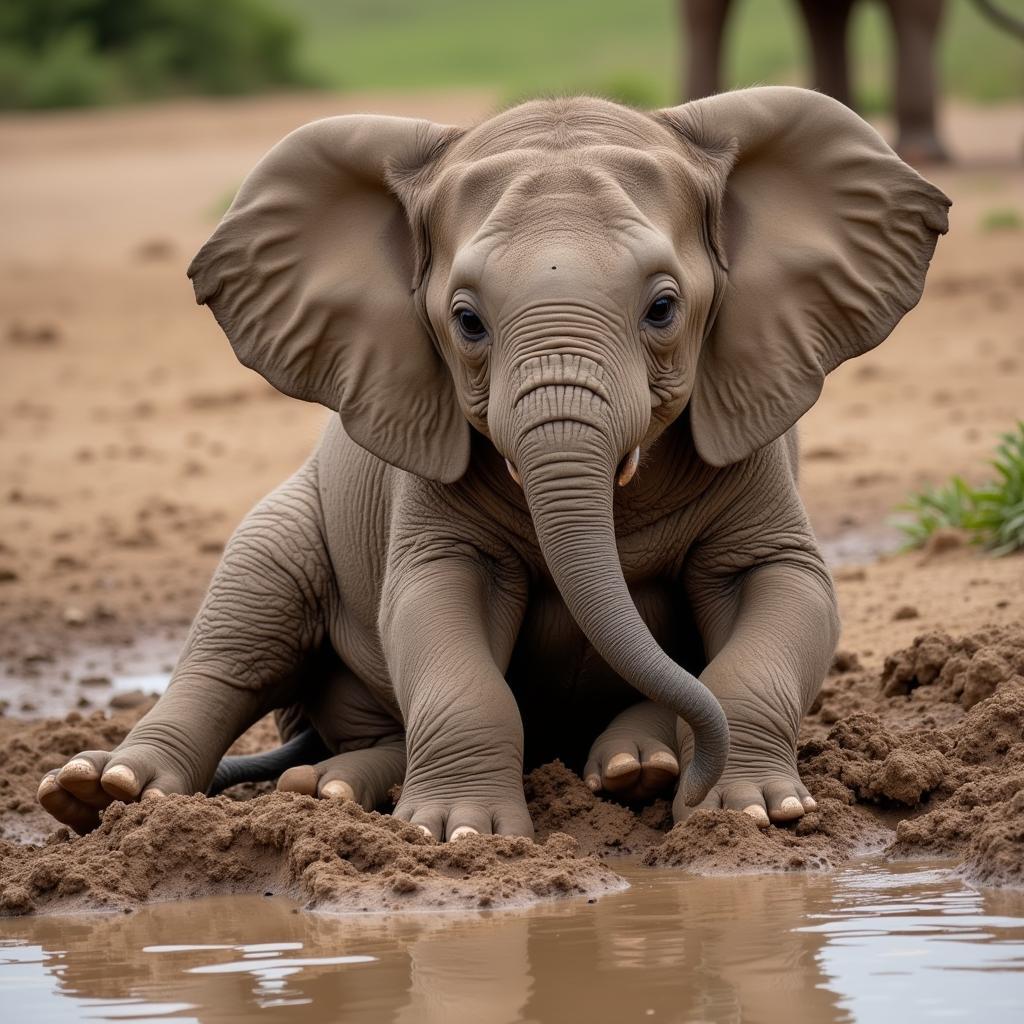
<point>311,274</point>
<point>827,236</point>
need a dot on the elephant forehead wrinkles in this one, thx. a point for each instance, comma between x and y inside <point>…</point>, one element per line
<point>607,184</point>
<point>586,228</point>
<point>561,124</point>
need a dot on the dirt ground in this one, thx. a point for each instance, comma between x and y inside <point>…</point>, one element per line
<point>132,442</point>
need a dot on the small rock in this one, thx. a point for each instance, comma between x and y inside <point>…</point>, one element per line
<point>906,611</point>
<point>853,574</point>
<point>94,681</point>
<point>74,617</point>
<point>128,699</point>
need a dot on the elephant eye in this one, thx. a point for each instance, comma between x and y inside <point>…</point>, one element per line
<point>471,327</point>
<point>661,311</point>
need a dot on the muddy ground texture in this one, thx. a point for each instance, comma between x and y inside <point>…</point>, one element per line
<point>132,443</point>
<point>925,759</point>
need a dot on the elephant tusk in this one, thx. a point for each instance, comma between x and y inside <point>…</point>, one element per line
<point>627,469</point>
<point>513,472</point>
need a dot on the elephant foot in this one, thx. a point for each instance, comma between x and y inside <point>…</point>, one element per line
<point>92,780</point>
<point>770,796</point>
<point>364,776</point>
<point>482,807</point>
<point>921,149</point>
<point>633,759</point>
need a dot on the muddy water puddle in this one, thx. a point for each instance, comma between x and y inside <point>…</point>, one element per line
<point>873,942</point>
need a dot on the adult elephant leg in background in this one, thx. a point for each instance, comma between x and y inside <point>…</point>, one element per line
<point>916,25</point>
<point>826,24</point>
<point>703,24</point>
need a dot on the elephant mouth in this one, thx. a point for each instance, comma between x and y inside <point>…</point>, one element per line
<point>623,474</point>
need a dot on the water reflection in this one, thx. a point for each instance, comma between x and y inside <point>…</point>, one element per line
<point>868,944</point>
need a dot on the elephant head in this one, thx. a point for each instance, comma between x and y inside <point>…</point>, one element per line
<point>566,279</point>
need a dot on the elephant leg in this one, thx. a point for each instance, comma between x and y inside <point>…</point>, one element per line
<point>771,636</point>
<point>917,25</point>
<point>703,23</point>
<point>634,758</point>
<point>366,738</point>
<point>448,630</point>
<point>366,775</point>
<point>826,22</point>
<point>252,639</point>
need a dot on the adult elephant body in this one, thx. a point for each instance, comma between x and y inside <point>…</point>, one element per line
<point>567,349</point>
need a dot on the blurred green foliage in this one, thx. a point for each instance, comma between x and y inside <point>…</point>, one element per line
<point>67,52</point>
<point>624,49</point>
<point>58,53</point>
<point>1002,218</point>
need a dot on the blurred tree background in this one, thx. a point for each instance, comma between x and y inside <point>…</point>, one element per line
<point>78,52</point>
<point>60,53</point>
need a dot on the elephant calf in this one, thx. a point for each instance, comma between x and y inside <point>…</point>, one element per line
<point>567,349</point>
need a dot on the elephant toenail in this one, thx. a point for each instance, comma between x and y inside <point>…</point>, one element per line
<point>621,764</point>
<point>759,814</point>
<point>79,768</point>
<point>462,831</point>
<point>593,783</point>
<point>810,804</point>
<point>426,831</point>
<point>48,785</point>
<point>299,779</point>
<point>791,807</point>
<point>337,789</point>
<point>664,760</point>
<point>122,779</point>
<point>153,794</point>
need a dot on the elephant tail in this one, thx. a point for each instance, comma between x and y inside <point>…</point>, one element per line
<point>305,748</point>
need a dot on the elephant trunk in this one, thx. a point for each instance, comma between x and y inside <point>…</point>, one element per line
<point>568,470</point>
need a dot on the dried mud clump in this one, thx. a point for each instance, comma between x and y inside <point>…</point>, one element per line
<point>325,854</point>
<point>982,822</point>
<point>730,842</point>
<point>861,761</point>
<point>559,801</point>
<point>964,670</point>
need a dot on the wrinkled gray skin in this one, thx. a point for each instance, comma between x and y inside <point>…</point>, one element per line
<point>535,299</point>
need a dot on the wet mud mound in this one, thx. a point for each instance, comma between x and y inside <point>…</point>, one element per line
<point>560,802</point>
<point>327,855</point>
<point>957,775</point>
<point>964,670</point>
<point>982,821</point>
<point>934,747</point>
<point>730,842</point>
<point>922,759</point>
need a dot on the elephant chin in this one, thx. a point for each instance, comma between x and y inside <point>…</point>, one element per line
<point>569,490</point>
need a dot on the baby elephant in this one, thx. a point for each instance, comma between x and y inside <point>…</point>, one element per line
<point>567,349</point>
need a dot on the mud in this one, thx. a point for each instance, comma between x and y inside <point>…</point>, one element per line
<point>922,759</point>
<point>328,856</point>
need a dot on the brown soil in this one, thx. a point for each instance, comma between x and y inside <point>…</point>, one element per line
<point>329,856</point>
<point>133,443</point>
<point>887,777</point>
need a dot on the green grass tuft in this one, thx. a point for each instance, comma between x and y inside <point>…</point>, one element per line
<point>992,514</point>
<point>1003,218</point>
